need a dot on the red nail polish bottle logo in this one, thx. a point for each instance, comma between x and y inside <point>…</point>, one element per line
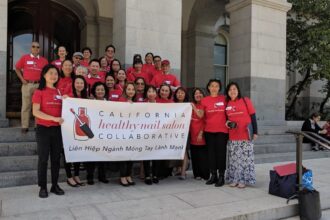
<point>78,133</point>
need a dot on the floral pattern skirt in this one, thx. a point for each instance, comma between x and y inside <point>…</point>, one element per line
<point>241,163</point>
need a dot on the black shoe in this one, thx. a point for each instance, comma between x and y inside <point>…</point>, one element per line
<point>131,183</point>
<point>221,180</point>
<point>213,179</point>
<point>123,184</point>
<point>155,179</point>
<point>72,185</point>
<point>90,182</point>
<point>104,180</point>
<point>56,190</point>
<point>43,193</point>
<point>148,181</point>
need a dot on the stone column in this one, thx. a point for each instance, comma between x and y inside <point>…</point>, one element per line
<point>148,26</point>
<point>3,62</point>
<point>258,54</point>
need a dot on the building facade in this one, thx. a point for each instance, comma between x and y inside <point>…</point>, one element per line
<point>233,40</point>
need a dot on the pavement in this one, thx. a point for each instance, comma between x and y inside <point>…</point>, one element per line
<point>170,199</point>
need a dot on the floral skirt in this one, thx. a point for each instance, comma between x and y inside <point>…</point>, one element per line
<point>240,163</point>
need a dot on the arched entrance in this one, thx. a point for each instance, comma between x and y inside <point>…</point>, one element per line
<point>44,21</point>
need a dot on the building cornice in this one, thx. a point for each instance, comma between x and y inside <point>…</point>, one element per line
<point>281,5</point>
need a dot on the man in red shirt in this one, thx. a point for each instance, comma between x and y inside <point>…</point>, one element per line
<point>28,70</point>
<point>165,77</point>
<point>158,66</point>
<point>94,74</point>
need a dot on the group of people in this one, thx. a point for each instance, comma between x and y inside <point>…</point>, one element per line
<point>223,126</point>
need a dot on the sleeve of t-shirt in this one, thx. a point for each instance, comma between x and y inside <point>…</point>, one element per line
<point>176,82</point>
<point>36,98</point>
<point>250,106</point>
<point>153,81</point>
<point>20,63</point>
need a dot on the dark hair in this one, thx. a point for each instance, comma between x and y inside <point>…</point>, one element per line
<point>125,74</point>
<point>106,95</point>
<point>108,46</point>
<point>137,61</point>
<point>71,74</point>
<point>239,95</point>
<point>84,91</point>
<point>100,59</point>
<point>171,93</point>
<point>315,115</point>
<point>147,88</point>
<point>144,81</point>
<point>94,60</point>
<point>124,91</point>
<point>186,97</point>
<point>156,56</point>
<point>212,81</point>
<point>45,69</point>
<point>137,56</point>
<point>58,47</point>
<point>111,75</point>
<point>193,94</point>
<point>87,48</point>
<point>111,71</point>
<point>149,53</point>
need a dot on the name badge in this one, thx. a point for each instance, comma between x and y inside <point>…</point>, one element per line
<point>58,63</point>
<point>168,82</point>
<point>114,96</point>
<point>58,97</point>
<point>29,62</point>
<point>219,104</point>
<point>140,99</point>
<point>229,108</point>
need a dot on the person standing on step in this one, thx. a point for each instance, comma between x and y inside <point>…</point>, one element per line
<point>47,107</point>
<point>28,70</point>
<point>215,131</point>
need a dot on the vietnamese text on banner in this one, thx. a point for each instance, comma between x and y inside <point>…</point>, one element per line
<point>96,130</point>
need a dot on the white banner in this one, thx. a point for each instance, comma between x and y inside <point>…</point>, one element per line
<point>96,130</point>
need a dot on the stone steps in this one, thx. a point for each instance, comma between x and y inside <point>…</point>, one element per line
<point>290,156</point>
<point>18,149</point>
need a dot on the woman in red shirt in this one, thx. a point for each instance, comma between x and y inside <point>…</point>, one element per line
<point>115,66</point>
<point>242,124</point>
<point>87,53</point>
<point>216,132</point>
<point>79,90</point>
<point>181,96</point>
<point>47,107</point>
<point>198,148</point>
<point>114,94</point>
<point>64,85</point>
<point>104,67</point>
<point>140,86</point>
<point>121,80</point>
<point>135,57</point>
<point>61,53</point>
<point>99,92</point>
<point>125,168</point>
<point>165,94</point>
<point>137,72</point>
<point>148,67</point>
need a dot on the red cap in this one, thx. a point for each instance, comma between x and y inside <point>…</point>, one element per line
<point>165,62</point>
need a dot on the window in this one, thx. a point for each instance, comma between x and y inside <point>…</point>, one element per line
<point>220,59</point>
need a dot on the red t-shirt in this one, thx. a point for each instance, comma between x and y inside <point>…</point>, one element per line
<point>84,63</point>
<point>119,87</point>
<point>92,80</point>
<point>196,125</point>
<point>129,70</point>
<point>31,66</point>
<point>50,103</point>
<point>214,114</point>
<point>133,75</point>
<point>149,69</point>
<point>139,97</point>
<point>169,79</point>
<point>58,64</point>
<point>160,100</point>
<point>240,112</point>
<point>115,94</point>
<point>65,85</point>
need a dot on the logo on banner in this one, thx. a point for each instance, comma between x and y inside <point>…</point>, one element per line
<point>82,125</point>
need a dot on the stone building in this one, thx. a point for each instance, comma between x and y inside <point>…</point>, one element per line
<point>239,40</point>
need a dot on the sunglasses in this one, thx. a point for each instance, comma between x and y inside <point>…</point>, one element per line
<point>33,46</point>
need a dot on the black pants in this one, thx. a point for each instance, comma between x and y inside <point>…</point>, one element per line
<point>49,142</point>
<point>150,168</point>
<point>199,159</point>
<point>217,150</point>
<point>76,168</point>
<point>90,169</point>
<point>125,168</point>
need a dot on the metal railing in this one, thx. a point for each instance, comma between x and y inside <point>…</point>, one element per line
<point>299,135</point>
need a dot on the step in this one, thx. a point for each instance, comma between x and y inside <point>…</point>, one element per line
<point>18,149</point>
<point>278,148</point>
<point>18,163</point>
<point>325,216</point>
<point>290,156</point>
<point>15,135</point>
<point>280,138</point>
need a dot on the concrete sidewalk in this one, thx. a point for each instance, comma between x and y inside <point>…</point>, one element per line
<point>170,199</point>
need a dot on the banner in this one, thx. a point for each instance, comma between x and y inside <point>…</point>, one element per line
<point>96,130</point>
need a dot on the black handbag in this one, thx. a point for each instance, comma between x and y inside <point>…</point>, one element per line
<point>282,186</point>
<point>309,204</point>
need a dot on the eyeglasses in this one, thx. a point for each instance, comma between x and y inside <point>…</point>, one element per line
<point>139,83</point>
<point>33,46</point>
<point>157,61</point>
